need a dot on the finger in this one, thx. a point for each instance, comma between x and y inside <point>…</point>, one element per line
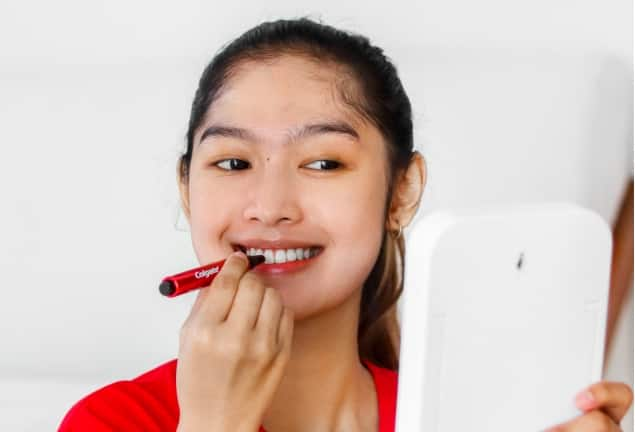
<point>217,301</point>
<point>285,332</point>
<point>594,421</point>
<point>614,398</point>
<point>268,323</point>
<point>247,301</point>
<point>194,311</point>
<point>201,297</point>
<point>285,338</point>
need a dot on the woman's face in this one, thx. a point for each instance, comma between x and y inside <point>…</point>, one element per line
<point>261,177</point>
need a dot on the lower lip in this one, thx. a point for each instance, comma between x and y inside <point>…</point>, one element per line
<point>287,267</point>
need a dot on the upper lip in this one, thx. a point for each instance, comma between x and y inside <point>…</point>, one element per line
<point>277,244</point>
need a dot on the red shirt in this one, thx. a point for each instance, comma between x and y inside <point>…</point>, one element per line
<point>148,403</point>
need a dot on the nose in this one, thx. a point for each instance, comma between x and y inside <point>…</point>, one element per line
<point>273,198</point>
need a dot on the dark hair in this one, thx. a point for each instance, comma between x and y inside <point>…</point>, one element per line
<point>378,96</point>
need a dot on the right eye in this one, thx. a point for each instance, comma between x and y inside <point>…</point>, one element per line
<point>232,164</point>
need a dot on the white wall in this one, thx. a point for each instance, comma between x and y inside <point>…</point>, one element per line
<point>513,102</point>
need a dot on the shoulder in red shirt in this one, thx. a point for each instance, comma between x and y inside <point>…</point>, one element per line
<point>148,403</point>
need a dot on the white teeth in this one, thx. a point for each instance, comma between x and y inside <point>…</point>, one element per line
<point>290,254</point>
<point>280,256</point>
<point>268,256</point>
<point>276,256</point>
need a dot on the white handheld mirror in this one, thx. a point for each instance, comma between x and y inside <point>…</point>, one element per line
<point>503,317</point>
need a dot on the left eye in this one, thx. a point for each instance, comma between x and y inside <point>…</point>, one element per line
<point>325,165</point>
<point>232,164</point>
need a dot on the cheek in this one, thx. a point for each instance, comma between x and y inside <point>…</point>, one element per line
<point>210,210</point>
<point>356,224</point>
<point>356,212</point>
<point>357,221</point>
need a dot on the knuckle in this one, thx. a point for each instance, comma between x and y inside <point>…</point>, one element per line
<point>261,351</point>
<point>197,337</point>
<point>234,347</point>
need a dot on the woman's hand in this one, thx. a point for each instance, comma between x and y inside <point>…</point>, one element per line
<point>604,405</point>
<point>233,350</point>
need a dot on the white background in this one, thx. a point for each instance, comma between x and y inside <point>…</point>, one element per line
<point>513,102</point>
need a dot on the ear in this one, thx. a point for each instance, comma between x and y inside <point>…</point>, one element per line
<point>407,193</point>
<point>183,191</point>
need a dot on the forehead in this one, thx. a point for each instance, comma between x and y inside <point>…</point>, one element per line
<point>284,91</point>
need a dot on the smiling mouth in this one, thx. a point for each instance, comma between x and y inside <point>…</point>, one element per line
<point>281,256</point>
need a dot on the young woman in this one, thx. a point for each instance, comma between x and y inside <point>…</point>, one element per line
<point>299,147</point>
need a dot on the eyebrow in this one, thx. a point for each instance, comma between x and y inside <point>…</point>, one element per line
<point>303,132</point>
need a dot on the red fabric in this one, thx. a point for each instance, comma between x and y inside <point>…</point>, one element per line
<point>148,403</point>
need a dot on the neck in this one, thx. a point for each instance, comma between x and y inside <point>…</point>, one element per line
<point>325,386</point>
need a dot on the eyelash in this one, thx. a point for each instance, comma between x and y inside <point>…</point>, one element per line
<point>320,160</point>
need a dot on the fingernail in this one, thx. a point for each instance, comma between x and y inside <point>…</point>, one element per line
<point>584,400</point>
